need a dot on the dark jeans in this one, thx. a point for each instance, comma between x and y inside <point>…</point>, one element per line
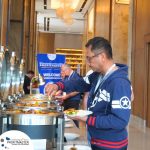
<point>96,148</point>
<point>67,104</point>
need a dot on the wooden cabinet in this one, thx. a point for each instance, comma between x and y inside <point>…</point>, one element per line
<point>75,58</point>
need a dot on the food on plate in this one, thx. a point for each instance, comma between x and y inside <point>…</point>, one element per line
<point>73,148</point>
<point>71,111</point>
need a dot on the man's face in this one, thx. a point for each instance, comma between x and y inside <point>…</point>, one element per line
<point>31,76</point>
<point>95,61</point>
<point>62,75</point>
<point>64,71</point>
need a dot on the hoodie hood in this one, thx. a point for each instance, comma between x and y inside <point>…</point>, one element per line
<point>121,72</point>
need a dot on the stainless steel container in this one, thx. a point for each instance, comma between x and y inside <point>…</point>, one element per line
<point>34,119</point>
<point>39,123</point>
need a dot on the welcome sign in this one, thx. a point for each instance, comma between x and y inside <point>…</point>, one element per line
<point>49,66</point>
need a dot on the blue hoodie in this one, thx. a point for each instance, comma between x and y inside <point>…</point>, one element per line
<point>111,107</point>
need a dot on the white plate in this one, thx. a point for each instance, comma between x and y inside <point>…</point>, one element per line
<point>67,119</point>
<point>81,113</point>
<point>79,147</point>
<point>71,136</point>
<point>69,125</point>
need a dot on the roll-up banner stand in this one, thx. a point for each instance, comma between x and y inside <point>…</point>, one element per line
<point>49,66</point>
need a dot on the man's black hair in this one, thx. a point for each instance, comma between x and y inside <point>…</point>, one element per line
<point>99,44</point>
<point>30,72</point>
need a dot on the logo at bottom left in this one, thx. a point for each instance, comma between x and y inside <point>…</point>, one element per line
<point>15,140</point>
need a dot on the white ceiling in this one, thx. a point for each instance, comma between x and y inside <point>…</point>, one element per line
<point>57,25</point>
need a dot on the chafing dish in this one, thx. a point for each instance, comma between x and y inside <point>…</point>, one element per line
<point>38,117</point>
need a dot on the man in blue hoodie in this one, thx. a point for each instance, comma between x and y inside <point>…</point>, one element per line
<point>109,98</point>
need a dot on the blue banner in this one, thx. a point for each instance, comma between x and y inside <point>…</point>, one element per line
<point>49,67</point>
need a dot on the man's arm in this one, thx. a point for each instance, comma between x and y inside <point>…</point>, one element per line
<point>78,85</point>
<point>67,96</point>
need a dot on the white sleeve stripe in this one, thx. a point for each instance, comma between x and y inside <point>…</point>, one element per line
<point>115,102</point>
<point>118,106</point>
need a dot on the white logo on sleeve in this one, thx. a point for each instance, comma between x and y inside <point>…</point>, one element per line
<point>123,103</point>
<point>102,95</point>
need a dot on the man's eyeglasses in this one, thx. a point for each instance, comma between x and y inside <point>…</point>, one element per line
<point>88,58</point>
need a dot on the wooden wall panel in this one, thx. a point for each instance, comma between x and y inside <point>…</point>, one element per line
<point>141,29</point>
<point>102,18</point>
<point>46,42</point>
<point>26,33</point>
<point>15,39</point>
<point>5,4</point>
<point>119,32</point>
<point>84,41</point>
<point>111,22</point>
<point>16,10</point>
<point>29,34</point>
<point>32,35</point>
<point>15,27</point>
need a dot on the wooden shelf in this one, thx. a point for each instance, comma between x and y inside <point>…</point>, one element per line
<point>74,57</point>
<point>70,63</point>
<point>70,54</point>
<point>69,50</point>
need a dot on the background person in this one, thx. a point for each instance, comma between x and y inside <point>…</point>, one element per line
<point>27,80</point>
<point>71,99</point>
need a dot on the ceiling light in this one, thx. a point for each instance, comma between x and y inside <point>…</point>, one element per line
<point>91,21</point>
<point>58,3</point>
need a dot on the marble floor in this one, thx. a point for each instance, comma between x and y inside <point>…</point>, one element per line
<point>139,137</point>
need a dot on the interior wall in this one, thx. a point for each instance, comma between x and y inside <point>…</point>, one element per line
<point>111,22</point>
<point>15,27</point>
<point>119,32</point>
<point>68,41</point>
<point>29,35</point>
<point>141,28</point>
<point>4,22</point>
<point>102,18</point>
<point>46,42</point>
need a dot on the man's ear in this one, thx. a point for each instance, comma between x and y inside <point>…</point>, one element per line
<point>103,57</point>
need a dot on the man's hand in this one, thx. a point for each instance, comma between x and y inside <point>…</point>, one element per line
<point>51,89</point>
<point>62,97</point>
<point>83,119</point>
